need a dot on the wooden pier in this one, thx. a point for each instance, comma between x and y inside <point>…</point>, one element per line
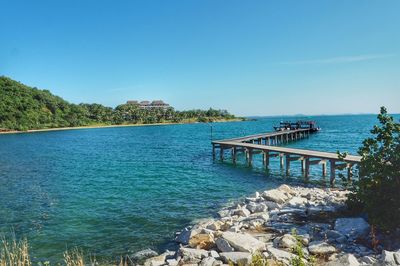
<point>266,144</point>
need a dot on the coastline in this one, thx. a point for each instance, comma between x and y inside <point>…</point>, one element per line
<point>298,225</point>
<point>116,126</point>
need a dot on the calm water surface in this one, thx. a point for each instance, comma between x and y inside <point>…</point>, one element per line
<point>115,190</point>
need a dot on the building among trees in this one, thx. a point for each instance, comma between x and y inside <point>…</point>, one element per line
<point>149,105</point>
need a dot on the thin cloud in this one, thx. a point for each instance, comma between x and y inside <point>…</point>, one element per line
<point>340,59</point>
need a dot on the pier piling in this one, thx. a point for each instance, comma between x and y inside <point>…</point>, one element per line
<point>267,145</point>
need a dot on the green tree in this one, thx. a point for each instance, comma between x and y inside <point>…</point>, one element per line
<point>378,190</point>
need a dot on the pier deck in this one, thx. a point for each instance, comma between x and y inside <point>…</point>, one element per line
<point>266,144</point>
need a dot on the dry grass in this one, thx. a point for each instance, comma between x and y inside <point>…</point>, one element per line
<point>14,253</point>
<point>74,257</point>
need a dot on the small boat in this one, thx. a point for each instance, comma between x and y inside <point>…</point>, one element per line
<point>301,124</point>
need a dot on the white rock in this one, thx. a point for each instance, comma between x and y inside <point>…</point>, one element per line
<point>242,212</point>
<point>172,262</point>
<point>321,248</point>
<point>396,256</point>
<point>287,189</point>
<point>297,201</point>
<point>238,258</point>
<point>209,261</point>
<point>272,205</point>
<point>275,195</point>
<point>243,242</point>
<point>215,226</point>
<point>287,241</point>
<point>280,255</point>
<point>254,207</point>
<point>191,254</point>
<point>156,261</point>
<point>344,260</point>
<point>144,254</point>
<point>186,234</point>
<point>368,259</point>
<point>223,245</point>
<point>213,254</point>
<point>352,227</point>
<point>224,213</point>
<point>388,258</point>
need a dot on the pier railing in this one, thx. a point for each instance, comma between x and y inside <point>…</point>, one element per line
<point>267,145</point>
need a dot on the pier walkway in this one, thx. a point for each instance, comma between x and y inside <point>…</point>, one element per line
<point>266,144</point>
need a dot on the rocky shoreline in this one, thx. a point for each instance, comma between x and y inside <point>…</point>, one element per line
<point>283,226</point>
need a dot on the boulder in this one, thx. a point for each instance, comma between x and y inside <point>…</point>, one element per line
<point>297,201</point>
<point>396,256</point>
<point>215,225</point>
<point>202,241</point>
<point>344,260</point>
<point>333,234</point>
<point>192,255</point>
<point>275,195</point>
<point>388,258</point>
<point>287,241</point>
<point>352,227</point>
<point>243,242</point>
<point>280,255</point>
<point>186,235</point>
<point>242,212</point>
<point>172,262</point>
<point>254,207</point>
<point>156,261</point>
<point>321,248</point>
<point>368,260</point>
<point>209,261</point>
<point>223,245</point>
<point>285,188</point>
<point>238,258</point>
<point>224,213</point>
<point>272,205</point>
<point>213,254</point>
<point>140,256</point>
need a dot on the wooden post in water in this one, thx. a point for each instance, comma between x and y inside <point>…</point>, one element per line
<point>250,152</point>
<point>349,171</point>
<point>213,151</point>
<point>281,159</point>
<point>234,154</point>
<point>266,159</point>
<point>332,166</point>
<point>324,168</point>
<point>287,164</point>
<point>221,153</point>
<point>307,167</point>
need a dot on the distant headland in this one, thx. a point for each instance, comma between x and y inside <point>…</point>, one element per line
<point>25,109</point>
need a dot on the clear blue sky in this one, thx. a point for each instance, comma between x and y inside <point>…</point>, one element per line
<point>250,57</point>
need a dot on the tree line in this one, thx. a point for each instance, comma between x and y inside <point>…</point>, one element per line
<point>23,108</point>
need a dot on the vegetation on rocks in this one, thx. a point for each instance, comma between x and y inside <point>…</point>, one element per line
<point>377,191</point>
<point>23,108</point>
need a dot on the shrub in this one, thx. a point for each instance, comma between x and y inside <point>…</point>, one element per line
<point>377,193</point>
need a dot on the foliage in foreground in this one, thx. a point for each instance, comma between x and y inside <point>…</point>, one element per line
<point>14,253</point>
<point>23,108</point>
<point>377,193</point>
<point>300,259</point>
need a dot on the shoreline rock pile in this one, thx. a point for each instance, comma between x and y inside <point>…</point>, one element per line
<point>280,226</point>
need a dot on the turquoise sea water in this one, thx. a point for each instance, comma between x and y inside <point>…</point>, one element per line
<point>115,190</point>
